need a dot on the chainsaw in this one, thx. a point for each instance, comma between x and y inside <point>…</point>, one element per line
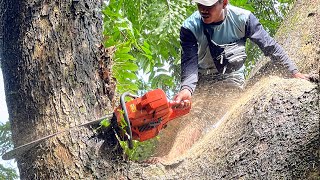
<point>140,119</point>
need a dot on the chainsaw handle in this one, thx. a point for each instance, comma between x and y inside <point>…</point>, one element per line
<point>175,104</point>
<point>176,111</point>
<point>126,118</point>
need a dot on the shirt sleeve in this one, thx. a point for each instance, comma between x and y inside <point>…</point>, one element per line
<point>256,33</point>
<point>189,60</point>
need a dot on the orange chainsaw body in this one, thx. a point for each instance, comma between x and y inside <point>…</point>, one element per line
<point>148,114</point>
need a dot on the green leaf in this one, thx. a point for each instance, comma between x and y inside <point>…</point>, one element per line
<point>161,70</point>
<point>129,75</point>
<point>123,57</point>
<point>146,49</point>
<point>123,50</point>
<point>148,56</point>
<point>105,123</point>
<point>127,65</point>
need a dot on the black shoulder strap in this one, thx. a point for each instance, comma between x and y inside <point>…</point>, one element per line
<point>215,51</point>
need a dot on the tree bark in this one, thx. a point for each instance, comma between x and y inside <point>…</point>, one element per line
<point>55,77</point>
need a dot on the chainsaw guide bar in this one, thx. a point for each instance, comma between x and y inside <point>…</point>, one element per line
<point>18,151</point>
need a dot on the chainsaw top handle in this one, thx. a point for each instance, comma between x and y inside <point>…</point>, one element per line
<point>126,118</point>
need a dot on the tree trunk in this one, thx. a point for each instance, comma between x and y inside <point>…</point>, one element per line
<point>55,77</point>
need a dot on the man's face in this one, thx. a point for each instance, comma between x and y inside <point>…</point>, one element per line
<point>211,14</point>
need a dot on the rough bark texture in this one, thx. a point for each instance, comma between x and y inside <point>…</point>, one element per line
<point>56,76</point>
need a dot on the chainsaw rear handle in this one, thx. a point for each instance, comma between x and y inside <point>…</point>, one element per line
<point>174,104</point>
<point>126,118</point>
<point>176,111</point>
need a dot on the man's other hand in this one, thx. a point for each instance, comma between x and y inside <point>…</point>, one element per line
<point>301,76</point>
<point>182,99</point>
<point>313,77</point>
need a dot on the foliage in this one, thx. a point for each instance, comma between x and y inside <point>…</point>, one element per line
<point>5,145</point>
<point>5,137</point>
<point>145,34</point>
<point>7,173</point>
<point>141,150</point>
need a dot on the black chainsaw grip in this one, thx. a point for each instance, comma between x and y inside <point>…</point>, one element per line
<point>126,118</point>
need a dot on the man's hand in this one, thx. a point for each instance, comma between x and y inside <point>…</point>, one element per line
<point>301,76</point>
<point>182,99</point>
<point>313,77</point>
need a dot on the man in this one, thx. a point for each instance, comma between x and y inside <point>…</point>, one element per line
<point>213,45</point>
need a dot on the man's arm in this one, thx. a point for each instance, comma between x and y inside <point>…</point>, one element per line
<point>256,33</point>
<point>189,60</point>
<point>189,68</point>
